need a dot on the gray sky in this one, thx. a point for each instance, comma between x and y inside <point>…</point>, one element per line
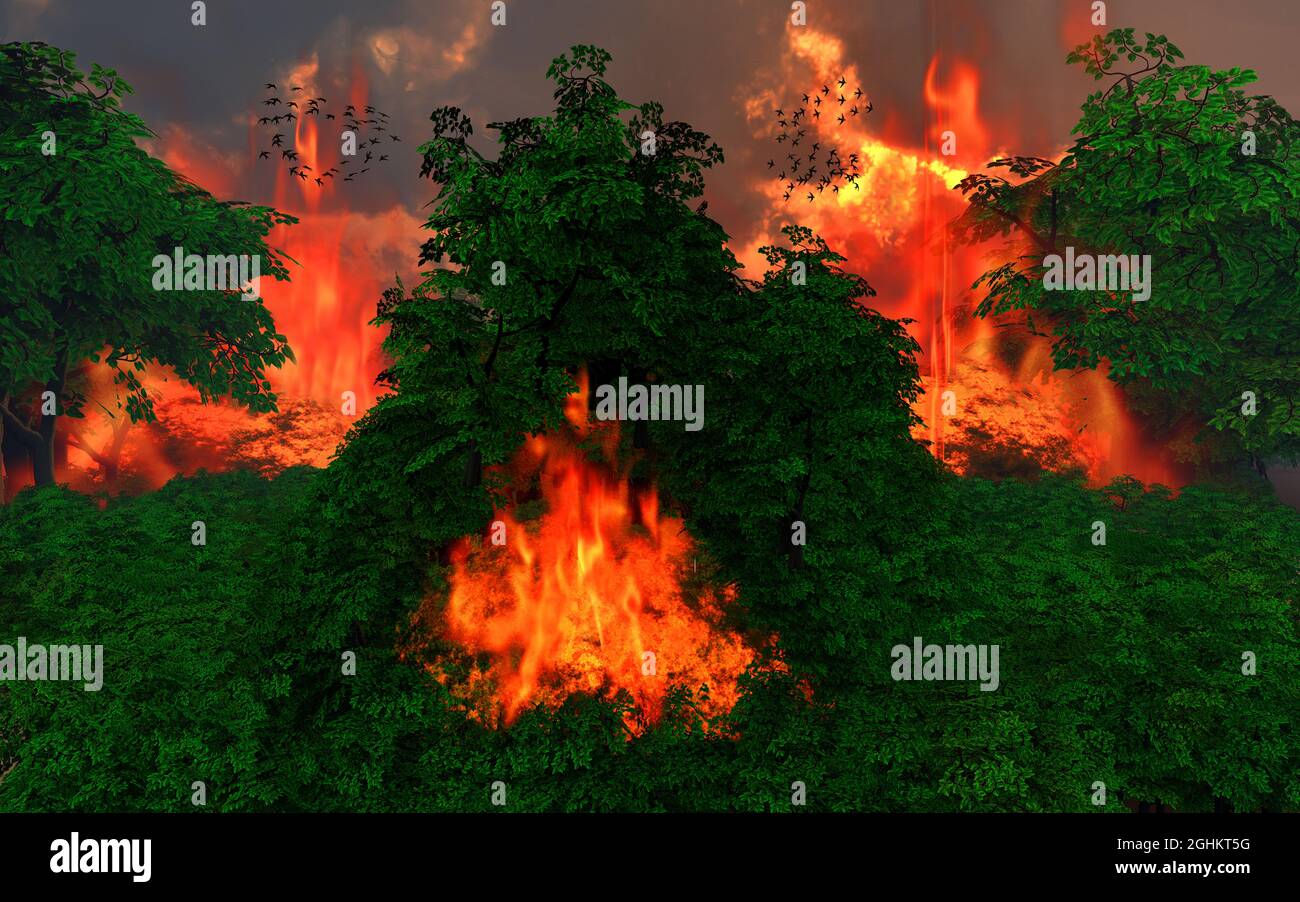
<point>700,58</point>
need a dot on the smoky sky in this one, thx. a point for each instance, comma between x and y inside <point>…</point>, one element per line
<point>700,58</point>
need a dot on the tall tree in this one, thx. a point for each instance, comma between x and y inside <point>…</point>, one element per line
<point>87,211</point>
<point>1177,162</point>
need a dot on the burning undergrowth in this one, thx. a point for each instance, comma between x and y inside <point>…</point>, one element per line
<point>581,584</point>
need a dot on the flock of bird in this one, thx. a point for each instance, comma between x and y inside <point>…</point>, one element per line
<point>819,165</point>
<point>295,106</point>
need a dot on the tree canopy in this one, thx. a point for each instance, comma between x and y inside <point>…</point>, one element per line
<point>1177,162</point>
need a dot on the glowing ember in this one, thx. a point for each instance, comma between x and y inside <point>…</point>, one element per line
<point>590,596</point>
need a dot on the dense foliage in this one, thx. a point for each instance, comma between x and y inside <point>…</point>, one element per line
<point>1119,663</point>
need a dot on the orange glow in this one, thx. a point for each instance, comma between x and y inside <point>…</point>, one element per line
<point>893,229</point>
<point>589,597</point>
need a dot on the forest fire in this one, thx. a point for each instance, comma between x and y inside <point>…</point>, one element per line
<point>992,404</point>
<point>590,589</point>
<point>986,381</point>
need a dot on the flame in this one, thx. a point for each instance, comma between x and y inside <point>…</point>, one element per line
<point>344,260</point>
<point>893,229</point>
<point>593,596</point>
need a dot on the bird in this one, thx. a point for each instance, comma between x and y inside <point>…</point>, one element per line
<point>841,81</point>
<point>372,117</point>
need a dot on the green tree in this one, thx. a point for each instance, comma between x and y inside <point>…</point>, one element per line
<point>581,245</point>
<point>1177,162</point>
<point>86,211</point>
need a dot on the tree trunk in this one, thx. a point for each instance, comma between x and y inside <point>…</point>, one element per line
<point>43,456</point>
<point>28,438</point>
<point>600,372</point>
<point>473,466</point>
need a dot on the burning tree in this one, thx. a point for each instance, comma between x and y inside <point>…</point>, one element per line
<point>580,247</point>
<point>1179,163</point>
<point>86,213</point>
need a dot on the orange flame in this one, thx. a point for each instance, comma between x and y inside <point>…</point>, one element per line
<point>893,229</point>
<point>592,596</point>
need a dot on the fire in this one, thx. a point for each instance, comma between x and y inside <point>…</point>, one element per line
<point>595,595</point>
<point>344,260</point>
<point>893,228</point>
